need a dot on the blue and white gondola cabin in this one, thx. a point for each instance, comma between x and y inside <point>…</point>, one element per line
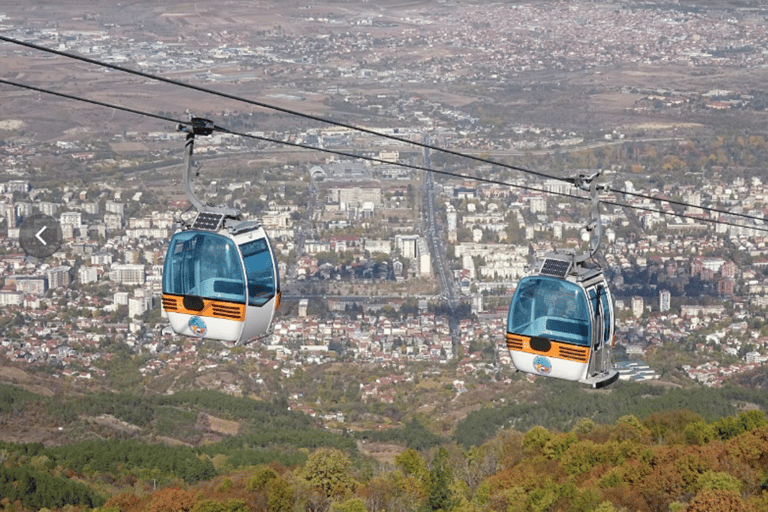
<point>561,325</point>
<point>220,283</point>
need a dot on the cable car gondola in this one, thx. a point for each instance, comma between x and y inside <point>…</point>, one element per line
<point>561,319</point>
<point>220,278</point>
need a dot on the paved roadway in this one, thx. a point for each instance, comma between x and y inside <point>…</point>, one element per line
<point>440,265</point>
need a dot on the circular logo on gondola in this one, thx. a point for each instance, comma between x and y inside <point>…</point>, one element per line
<point>197,326</point>
<point>542,365</point>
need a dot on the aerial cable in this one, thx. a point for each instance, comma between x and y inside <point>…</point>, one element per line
<point>355,128</point>
<point>399,164</point>
<point>288,143</point>
<point>688,205</point>
<point>276,108</point>
<point>92,102</point>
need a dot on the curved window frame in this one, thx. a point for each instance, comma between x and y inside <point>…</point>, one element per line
<point>260,271</point>
<point>540,307</point>
<point>204,264</point>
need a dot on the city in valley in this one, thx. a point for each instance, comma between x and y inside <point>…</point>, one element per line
<point>393,275</point>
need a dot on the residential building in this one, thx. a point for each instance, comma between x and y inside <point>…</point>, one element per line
<point>129,274</point>
<point>664,300</point>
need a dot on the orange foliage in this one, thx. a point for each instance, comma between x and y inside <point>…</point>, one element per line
<point>716,501</point>
<point>751,447</point>
<point>123,501</point>
<point>662,487</point>
<point>172,499</point>
<point>626,498</point>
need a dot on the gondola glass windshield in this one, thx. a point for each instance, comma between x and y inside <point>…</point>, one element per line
<point>205,265</point>
<point>260,272</point>
<point>550,308</point>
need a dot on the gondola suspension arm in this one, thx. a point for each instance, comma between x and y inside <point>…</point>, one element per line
<point>595,225</point>
<point>203,127</point>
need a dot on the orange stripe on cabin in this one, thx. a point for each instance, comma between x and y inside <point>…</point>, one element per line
<point>211,308</point>
<point>557,349</point>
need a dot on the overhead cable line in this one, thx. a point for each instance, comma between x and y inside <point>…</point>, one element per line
<point>382,161</point>
<point>353,127</point>
<point>277,108</point>
<point>285,142</point>
<point>86,100</point>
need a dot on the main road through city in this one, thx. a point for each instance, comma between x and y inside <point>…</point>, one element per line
<point>431,229</point>
<point>433,233</point>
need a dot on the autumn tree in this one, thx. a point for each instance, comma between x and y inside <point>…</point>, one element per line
<point>172,499</point>
<point>393,492</point>
<point>351,505</point>
<point>328,470</point>
<point>668,427</point>
<point>123,501</point>
<point>716,501</point>
<point>218,506</point>
<point>279,495</point>
<point>261,475</point>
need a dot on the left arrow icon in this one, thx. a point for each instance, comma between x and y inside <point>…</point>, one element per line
<point>40,237</point>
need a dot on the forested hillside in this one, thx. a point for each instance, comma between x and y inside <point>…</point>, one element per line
<point>666,457</point>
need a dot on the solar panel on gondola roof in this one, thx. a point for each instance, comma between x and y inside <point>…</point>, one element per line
<point>208,221</point>
<point>556,268</point>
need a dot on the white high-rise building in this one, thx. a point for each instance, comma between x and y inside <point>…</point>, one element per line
<point>452,218</point>
<point>638,305</point>
<point>11,216</point>
<point>425,260</point>
<point>71,218</point>
<point>48,208</point>
<point>664,300</point>
<point>138,305</point>
<point>128,274</point>
<point>407,245</point>
<point>88,275</point>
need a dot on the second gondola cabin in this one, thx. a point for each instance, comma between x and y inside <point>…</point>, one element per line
<point>561,323</point>
<point>220,277</point>
<point>221,282</point>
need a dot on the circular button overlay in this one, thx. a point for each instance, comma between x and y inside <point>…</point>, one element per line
<point>40,235</point>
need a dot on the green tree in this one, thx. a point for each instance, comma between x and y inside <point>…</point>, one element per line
<point>536,438</point>
<point>730,427</point>
<point>629,428</point>
<point>698,433</point>
<point>719,481</point>
<point>411,463</point>
<point>260,477</point>
<point>439,496</point>
<point>669,426</point>
<point>279,495</point>
<point>218,506</point>
<point>351,505</point>
<point>328,470</point>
